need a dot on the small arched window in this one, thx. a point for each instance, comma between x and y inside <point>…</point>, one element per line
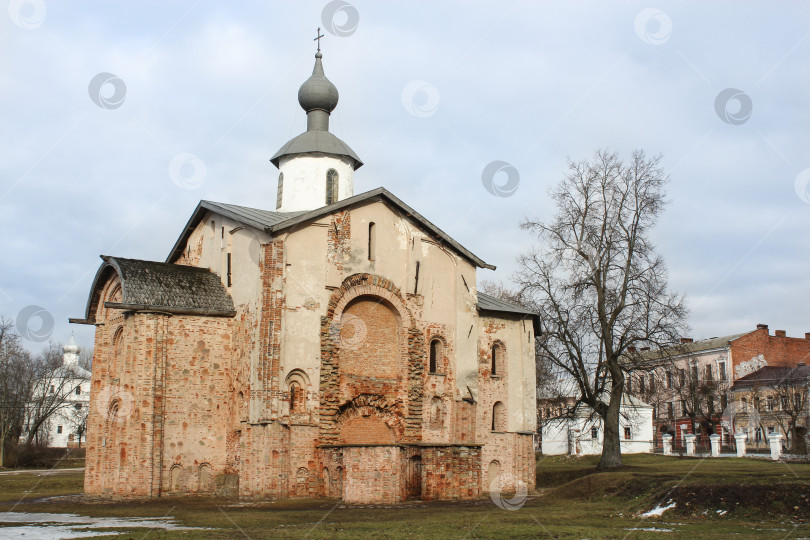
<point>436,352</point>
<point>296,397</point>
<point>497,359</point>
<point>499,416</point>
<point>372,241</point>
<point>331,186</point>
<point>280,190</point>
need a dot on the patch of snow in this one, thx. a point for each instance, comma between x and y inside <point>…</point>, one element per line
<point>648,529</point>
<point>658,510</point>
<point>722,512</point>
<point>49,526</point>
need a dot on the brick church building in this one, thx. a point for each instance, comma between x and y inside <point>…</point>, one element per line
<point>333,347</point>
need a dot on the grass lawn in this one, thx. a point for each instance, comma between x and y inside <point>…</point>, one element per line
<point>754,499</point>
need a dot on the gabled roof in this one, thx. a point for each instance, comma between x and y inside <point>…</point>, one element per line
<point>771,375</point>
<point>702,345</point>
<point>274,222</point>
<point>157,286</point>
<point>319,142</point>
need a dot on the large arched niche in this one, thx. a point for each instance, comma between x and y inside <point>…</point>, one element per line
<point>343,376</point>
<point>369,339</point>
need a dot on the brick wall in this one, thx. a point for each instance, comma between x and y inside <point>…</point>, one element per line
<point>451,472</point>
<point>776,350</point>
<point>374,474</point>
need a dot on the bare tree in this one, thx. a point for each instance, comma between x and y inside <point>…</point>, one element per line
<point>700,397</point>
<point>16,376</point>
<point>792,391</point>
<point>598,282</point>
<point>54,385</point>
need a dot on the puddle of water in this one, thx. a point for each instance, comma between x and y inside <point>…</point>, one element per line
<point>47,526</point>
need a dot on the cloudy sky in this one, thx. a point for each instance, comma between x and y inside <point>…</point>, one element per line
<point>118,118</point>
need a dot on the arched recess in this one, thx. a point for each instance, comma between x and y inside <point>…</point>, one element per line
<point>205,478</point>
<point>436,412</point>
<point>499,417</point>
<point>175,478</point>
<point>370,339</point>
<point>335,386</point>
<point>369,419</point>
<point>298,389</point>
<point>493,471</point>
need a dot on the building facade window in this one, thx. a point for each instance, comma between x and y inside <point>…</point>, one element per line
<point>594,433</point>
<point>709,374</point>
<point>436,353</point>
<point>670,411</point>
<point>499,417</point>
<point>722,368</point>
<point>331,186</point>
<point>669,379</point>
<point>372,241</point>
<point>627,433</point>
<point>59,429</point>
<point>496,360</point>
<point>78,390</point>
<point>296,397</point>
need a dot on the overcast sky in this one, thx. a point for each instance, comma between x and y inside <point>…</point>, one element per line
<point>199,96</point>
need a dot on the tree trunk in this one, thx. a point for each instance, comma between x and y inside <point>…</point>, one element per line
<point>611,443</point>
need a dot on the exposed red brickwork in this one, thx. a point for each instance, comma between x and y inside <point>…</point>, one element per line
<point>778,351</point>
<point>451,472</point>
<point>375,474</point>
<point>266,397</point>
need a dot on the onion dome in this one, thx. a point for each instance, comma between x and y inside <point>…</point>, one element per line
<point>318,93</point>
<point>71,347</point>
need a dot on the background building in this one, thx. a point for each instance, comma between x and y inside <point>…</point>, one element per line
<point>580,432</point>
<point>690,385</point>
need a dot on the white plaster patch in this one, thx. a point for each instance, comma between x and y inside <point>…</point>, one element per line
<point>745,368</point>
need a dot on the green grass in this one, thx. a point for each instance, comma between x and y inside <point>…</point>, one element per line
<point>573,501</point>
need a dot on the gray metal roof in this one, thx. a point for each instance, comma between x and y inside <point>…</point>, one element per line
<point>316,141</point>
<point>692,348</point>
<point>273,222</point>
<point>253,217</point>
<point>151,285</point>
<point>771,375</point>
<point>260,219</point>
<point>490,303</point>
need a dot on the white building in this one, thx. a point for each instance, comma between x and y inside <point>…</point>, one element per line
<point>66,427</point>
<point>582,434</point>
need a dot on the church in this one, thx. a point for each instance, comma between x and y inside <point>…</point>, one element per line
<point>335,346</point>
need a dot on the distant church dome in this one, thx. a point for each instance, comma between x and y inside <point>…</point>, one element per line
<point>71,347</point>
<point>318,93</point>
